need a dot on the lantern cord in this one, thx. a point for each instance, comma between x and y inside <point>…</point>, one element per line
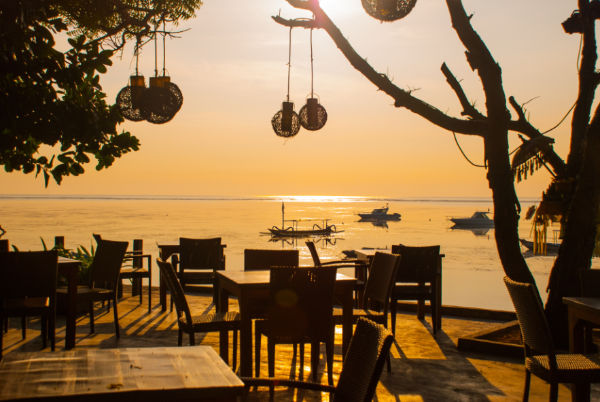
<point>312,77</point>
<point>164,52</point>
<point>465,155</point>
<point>289,64</point>
<point>156,51</point>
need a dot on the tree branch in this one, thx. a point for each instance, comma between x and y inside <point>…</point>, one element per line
<point>401,97</point>
<point>468,108</point>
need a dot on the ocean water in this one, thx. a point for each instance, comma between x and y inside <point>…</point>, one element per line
<point>472,274</point>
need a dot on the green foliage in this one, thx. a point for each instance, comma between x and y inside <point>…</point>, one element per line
<point>53,113</point>
<point>81,254</point>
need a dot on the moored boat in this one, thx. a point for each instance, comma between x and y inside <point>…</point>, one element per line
<point>479,219</point>
<point>380,214</point>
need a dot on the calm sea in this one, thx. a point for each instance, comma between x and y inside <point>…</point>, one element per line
<point>472,274</point>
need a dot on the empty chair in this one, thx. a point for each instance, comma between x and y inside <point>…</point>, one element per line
<point>198,261</point>
<point>360,269</point>
<point>377,291</point>
<point>191,324</point>
<point>361,370</point>
<point>299,312</point>
<point>104,279</point>
<point>255,259</point>
<point>419,278</point>
<point>28,288</point>
<point>541,358</point>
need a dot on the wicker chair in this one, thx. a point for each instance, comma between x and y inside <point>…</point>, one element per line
<point>377,291</point>
<point>361,370</point>
<point>198,261</point>
<point>28,287</point>
<point>419,278</point>
<point>541,358</point>
<point>360,269</point>
<point>255,259</point>
<point>191,324</point>
<point>299,312</point>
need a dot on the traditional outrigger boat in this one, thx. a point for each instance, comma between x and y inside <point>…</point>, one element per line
<point>287,230</point>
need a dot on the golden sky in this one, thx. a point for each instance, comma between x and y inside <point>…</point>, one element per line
<point>231,69</point>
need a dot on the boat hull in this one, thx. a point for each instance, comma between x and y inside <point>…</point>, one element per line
<point>551,248</point>
<point>468,223</point>
<point>301,233</point>
<point>386,217</point>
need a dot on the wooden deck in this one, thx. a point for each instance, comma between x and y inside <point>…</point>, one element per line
<point>424,368</point>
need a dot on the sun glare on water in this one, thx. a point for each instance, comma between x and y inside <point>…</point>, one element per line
<point>315,198</point>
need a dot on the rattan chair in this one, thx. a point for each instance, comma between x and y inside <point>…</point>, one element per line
<point>28,288</point>
<point>376,297</point>
<point>419,278</point>
<point>299,312</point>
<point>359,266</point>
<point>198,260</point>
<point>192,324</point>
<point>256,259</point>
<point>361,370</point>
<point>541,358</point>
<point>104,279</point>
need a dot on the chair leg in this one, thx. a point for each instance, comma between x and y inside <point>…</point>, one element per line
<point>23,326</point>
<point>271,356</point>
<point>257,341</point>
<point>527,383</point>
<point>329,353</point>
<point>234,357</point>
<point>192,338</point>
<point>116,315</point>
<point>44,331</point>
<point>393,315</point>
<point>553,392</point>
<point>180,337</point>
<point>301,375</point>
<point>421,308</point>
<point>314,359</point>
<point>91,311</point>
<point>52,330</point>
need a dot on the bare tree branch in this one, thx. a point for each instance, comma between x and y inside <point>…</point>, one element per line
<point>468,108</point>
<point>402,98</point>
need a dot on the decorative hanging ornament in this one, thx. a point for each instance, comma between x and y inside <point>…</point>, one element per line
<point>313,115</point>
<point>163,99</point>
<point>388,10</point>
<point>129,98</point>
<point>286,122</point>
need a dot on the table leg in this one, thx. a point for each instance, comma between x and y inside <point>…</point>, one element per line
<point>222,306</point>
<point>71,307</point>
<point>149,285</point>
<point>347,303</point>
<point>245,338</point>
<point>579,392</point>
<point>162,293</point>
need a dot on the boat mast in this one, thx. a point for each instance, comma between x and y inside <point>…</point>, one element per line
<point>282,215</point>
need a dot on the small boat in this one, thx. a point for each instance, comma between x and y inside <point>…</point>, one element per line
<point>325,229</point>
<point>379,215</point>
<point>479,219</point>
<point>551,248</point>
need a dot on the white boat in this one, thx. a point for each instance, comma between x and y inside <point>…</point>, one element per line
<point>479,219</point>
<point>380,214</point>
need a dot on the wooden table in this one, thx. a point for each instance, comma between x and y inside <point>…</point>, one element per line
<point>127,374</point>
<point>69,268</point>
<point>582,312</point>
<point>252,291</point>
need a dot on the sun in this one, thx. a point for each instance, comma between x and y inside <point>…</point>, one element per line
<point>336,7</point>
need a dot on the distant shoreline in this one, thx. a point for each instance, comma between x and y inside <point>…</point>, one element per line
<point>320,199</point>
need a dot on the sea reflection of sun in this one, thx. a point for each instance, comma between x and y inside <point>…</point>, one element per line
<point>316,198</point>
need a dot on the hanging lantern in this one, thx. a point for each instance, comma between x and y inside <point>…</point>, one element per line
<point>313,115</point>
<point>388,10</point>
<point>286,122</point>
<point>161,101</point>
<point>129,98</point>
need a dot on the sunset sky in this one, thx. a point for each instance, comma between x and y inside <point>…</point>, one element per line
<point>231,67</point>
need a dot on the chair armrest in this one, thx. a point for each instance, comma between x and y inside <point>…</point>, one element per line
<point>284,382</point>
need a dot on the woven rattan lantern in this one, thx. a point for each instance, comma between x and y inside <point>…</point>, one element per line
<point>128,98</point>
<point>161,101</point>
<point>286,122</point>
<point>313,115</point>
<point>388,10</point>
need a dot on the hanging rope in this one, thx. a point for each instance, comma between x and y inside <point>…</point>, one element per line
<point>563,119</point>
<point>311,65</point>
<point>137,54</point>
<point>465,155</point>
<point>164,51</point>
<point>289,64</point>
<point>156,50</point>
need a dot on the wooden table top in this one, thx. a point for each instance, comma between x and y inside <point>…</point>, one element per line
<point>161,373</point>
<point>261,277</point>
<point>586,303</point>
